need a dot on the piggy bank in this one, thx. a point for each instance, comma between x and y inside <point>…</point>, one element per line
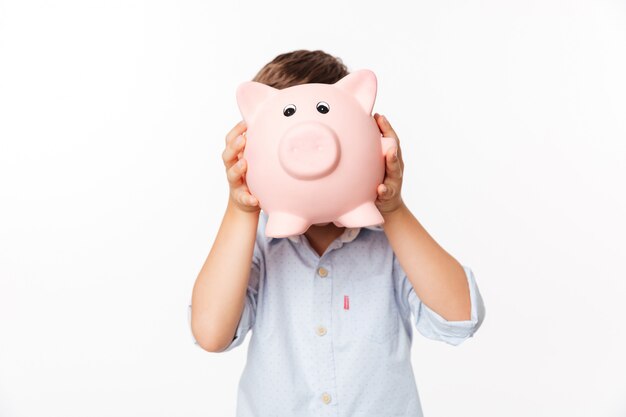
<point>314,153</point>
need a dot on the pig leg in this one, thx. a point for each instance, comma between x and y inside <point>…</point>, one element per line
<point>366,214</point>
<point>280,224</point>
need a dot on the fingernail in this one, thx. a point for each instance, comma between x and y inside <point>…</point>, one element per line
<point>384,188</point>
<point>395,152</point>
<point>383,119</point>
<point>239,140</point>
<point>240,163</point>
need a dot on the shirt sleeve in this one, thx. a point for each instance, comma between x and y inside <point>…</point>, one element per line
<point>248,316</point>
<point>432,325</point>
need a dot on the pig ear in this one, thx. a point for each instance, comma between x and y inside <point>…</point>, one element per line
<point>361,85</point>
<point>250,95</point>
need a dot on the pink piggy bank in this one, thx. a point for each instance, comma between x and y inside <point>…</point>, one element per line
<point>314,152</point>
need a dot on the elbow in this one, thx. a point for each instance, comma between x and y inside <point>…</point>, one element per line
<point>211,346</point>
<point>208,344</point>
<point>208,340</point>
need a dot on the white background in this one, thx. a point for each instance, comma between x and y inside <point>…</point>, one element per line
<point>112,122</point>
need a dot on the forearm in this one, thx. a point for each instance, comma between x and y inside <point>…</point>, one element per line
<point>438,279</point>
<point>220,288</point>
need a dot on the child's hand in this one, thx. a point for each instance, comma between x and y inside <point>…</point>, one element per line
<point>236,168</point>
<point>389,198</point>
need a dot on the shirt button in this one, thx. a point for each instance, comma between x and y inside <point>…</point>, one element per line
<point>326,398</point>
<point>322,272</point>
<point>321,330</point>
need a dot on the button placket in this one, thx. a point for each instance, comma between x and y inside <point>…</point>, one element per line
<point>325,383</point>
<point>322,273</point>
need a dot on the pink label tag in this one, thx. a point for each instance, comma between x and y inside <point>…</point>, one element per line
<point>346,302</point>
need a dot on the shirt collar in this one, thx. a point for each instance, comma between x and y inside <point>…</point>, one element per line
<point>348,235</point>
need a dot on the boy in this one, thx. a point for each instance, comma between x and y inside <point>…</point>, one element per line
<point>330,309</point>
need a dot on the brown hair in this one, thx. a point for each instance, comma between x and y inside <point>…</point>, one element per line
<point>301,67</point>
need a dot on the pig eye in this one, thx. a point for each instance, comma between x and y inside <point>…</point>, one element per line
<point>289,110</point>
<point>323,107</point>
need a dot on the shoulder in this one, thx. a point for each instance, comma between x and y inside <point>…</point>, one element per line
<point>375,237</point>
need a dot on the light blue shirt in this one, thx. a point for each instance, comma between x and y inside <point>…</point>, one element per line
<point>331,335</point>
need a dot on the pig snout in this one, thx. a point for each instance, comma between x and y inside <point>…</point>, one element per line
<point>309,150</point>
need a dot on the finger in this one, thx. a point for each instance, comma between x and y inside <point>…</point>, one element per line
<point>236,131</point>
<point>388,191</point>
<point>235,173</point>
<point>239,198</point>
<point>388,131</point>
<point>245,198</point>
<point>385,127</point>
<point>244,187</point>
<point>250,199</point>
<point>233,151</point>
<point>381,190</point>
<point>393,168</point>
